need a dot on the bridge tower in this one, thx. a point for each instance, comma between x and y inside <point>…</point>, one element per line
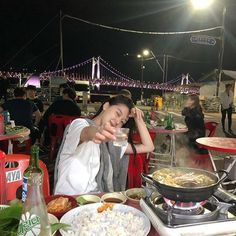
<point>185,79</point>
<point>96,67</point>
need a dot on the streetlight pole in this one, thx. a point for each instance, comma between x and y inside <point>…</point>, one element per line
<point>142,68</point>
<point>221,52</point>
<point>61,42</point>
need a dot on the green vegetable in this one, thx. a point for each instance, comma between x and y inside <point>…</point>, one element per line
<point>10,217</point>
<point>57,226</point>
<point>81,200</point>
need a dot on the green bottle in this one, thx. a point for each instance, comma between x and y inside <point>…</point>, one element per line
<point>169,123</point>
<point>32,168</point>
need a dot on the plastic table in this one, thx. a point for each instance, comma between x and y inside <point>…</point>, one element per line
<point>172,133</point>
<point>11,137</point>
<point>220,144</point>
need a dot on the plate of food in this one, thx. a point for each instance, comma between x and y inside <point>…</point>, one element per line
<point>15,130</point>
<point>58,205</point>
<point>105,219</point>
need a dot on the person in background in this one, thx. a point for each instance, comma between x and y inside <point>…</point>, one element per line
<point>65,106</point>
<point>194,119</point>
<point>22,112</point>
<point>61,88</point>
<point>31,91</point>
<point>226,101</point>
<point>87,149</point>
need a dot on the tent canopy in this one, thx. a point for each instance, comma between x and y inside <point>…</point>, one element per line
<point>213,76</point>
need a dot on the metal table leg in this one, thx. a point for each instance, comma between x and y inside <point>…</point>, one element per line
<point>173,151</point>
<point>212,161</point>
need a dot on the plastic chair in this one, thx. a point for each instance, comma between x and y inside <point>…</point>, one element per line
<point>211,128</point>
<point>69,119</point>
<point>15,175</point>
<point>138,164</point>
<point>56,130</point>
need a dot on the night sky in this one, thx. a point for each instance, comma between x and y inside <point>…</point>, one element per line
<point>22,20</point>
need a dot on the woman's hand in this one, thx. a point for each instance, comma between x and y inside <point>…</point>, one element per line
<point>104,133</point>
<point>137,114</point>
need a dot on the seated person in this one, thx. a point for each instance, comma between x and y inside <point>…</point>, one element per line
<point>22,112</point>
<point>61,88</point>
<point>194,119</point>
<point>66,106</point>
<point>31,96</point>
<point>88,161</point>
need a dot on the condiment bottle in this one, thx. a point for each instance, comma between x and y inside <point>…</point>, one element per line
<point>32,168</point>
<point>3,182</point>
<point>34,219</point>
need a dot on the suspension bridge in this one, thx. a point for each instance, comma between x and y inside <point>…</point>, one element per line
<point>100,72</point>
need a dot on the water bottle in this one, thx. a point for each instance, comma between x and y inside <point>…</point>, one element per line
<point>7,118</point>
<point>34,218</point>
<point>32,168</point>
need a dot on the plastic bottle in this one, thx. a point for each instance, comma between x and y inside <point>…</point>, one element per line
<point>32,168</point>
<point>7,118</point>
<point>3,181</point>
<point>34,219</point>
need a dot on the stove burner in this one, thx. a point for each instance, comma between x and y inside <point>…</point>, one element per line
<point>184,205</point>
<point>180,214</point>
<point>184,211</point>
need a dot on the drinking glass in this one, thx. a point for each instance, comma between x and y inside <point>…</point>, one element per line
<point>121,135</point>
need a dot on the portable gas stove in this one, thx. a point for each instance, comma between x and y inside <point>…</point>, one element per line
<point>215,216</point>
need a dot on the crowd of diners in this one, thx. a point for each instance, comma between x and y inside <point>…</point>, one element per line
<point>87,160</point>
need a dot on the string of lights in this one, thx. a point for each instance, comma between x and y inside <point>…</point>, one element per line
<point>141,32</point>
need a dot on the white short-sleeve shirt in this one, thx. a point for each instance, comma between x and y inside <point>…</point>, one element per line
<point>79,164</point>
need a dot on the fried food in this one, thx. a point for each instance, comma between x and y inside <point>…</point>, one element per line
<point>105,207</point>
<point>59,205</point>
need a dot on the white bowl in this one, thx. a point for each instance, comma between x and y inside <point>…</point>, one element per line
<point>87,199</point>
<point>134,193</point>
<point>115,197</point>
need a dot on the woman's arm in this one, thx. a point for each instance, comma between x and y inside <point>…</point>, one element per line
<point>97,134</point>
<point>146,141</point>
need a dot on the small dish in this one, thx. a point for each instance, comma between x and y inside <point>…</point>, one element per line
<point>115,197</point>
<point>59,213</point>
<point>87,199</point>
<point>135,194</point>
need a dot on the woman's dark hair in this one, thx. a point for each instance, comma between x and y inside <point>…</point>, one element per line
<point>196,100</point>
<point>121,99</point>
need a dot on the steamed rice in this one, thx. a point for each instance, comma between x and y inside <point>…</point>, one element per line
<point>108,223</point>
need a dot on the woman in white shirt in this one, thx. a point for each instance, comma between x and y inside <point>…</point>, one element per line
<point>80,159</point>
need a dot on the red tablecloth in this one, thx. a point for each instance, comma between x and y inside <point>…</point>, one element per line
<point>219,144</point>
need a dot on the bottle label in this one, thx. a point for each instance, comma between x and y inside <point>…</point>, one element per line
<point>24,188</point>
<point>29,225</point>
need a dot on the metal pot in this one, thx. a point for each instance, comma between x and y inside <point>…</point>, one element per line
<point>187,194</point>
